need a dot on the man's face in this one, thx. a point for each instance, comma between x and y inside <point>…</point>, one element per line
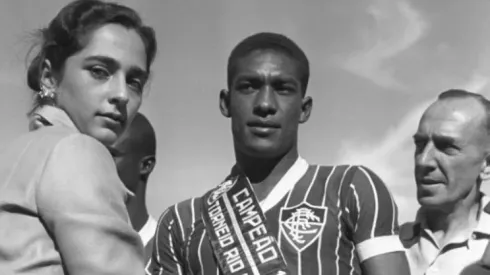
<point>450,151</point>
<point>266,104</point>
<point>127,161</point>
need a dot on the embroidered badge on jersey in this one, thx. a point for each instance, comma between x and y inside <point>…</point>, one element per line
<point>302,224</point>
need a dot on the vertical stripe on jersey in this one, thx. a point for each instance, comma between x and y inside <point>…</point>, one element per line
<point>358,207</point>
<point>199,252</point>
<point>180,221</point>
<point>319,261</point>
<point>352,259</point>
<point>339,232</point>
<point>395,215</point>
<point>311,183</point>
<point>189,240</point>
<point>170,241</point>
<point>332,171</point>
<point>193,215</point>
<point>375,196</point>
<point>157,240</point>
<point>320,269</point>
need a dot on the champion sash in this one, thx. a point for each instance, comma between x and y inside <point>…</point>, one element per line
<point>237,230</point>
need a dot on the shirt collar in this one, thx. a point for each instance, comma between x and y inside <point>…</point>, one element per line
<point>410,232</point>
<point>483,225</point>
<point>148,230</point>
<point>284,185</point>
<point>49,116</point>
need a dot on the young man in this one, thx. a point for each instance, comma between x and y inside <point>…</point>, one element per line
<point>275,213</point>
<point>134,154</point>
<point>452,149</point>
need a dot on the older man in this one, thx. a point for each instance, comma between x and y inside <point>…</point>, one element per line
<point>452,146</point>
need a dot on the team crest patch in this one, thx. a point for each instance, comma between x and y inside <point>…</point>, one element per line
<point>302,224</point>
<point>220,189</point>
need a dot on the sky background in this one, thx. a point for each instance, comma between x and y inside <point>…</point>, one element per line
<point>375,66</point>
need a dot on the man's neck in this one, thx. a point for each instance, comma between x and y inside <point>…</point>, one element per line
<point>265,173</point>
<point>138,213</point>
<point>455,221</point>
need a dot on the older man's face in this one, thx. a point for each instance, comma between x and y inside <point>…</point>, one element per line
<point>450,151</point>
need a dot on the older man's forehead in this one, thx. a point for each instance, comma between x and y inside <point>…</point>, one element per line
<point>456,118</point>
<point>458,109</point>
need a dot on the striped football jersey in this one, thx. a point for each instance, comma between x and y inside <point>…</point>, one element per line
<point>326,220</point>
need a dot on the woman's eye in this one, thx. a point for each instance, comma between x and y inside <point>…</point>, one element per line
<point>99,72</point>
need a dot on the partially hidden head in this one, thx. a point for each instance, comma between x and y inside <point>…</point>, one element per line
<point>267,79</point>
<point>452,149</point>
<point>93,61</point>
<point>134,152</point>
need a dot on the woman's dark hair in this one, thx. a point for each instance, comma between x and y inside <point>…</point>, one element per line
<point>65,34</point>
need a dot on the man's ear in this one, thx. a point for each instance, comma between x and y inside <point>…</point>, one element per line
<point>224,102</point>
<point>146,165</point>
<point>485,169</point>
<point>47,78</point>
<point>306,107</point>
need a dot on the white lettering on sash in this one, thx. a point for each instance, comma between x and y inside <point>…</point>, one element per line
<point>219,224</point>
<point>262,244</point>
<point>244,191</point>
<point>234,260</point>
<point>265,250</point>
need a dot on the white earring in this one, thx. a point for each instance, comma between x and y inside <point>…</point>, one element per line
<point>46,94</point>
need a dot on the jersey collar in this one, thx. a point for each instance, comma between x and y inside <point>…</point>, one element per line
<point>284,185</point>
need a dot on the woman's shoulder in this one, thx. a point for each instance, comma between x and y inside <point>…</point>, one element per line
<point>65,141</point>
<point>61,152</point>
<point>57,140</point>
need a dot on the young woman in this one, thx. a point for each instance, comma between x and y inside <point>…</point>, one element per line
<point>62,205</point>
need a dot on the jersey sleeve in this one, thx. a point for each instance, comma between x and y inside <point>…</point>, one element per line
<point>166,257</point>
<point>81,201</point>
<point>373,214</point>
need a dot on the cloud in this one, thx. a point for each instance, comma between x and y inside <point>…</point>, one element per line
<point>392,157</point>
<point>398,26</point>
<point>477,84</point>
